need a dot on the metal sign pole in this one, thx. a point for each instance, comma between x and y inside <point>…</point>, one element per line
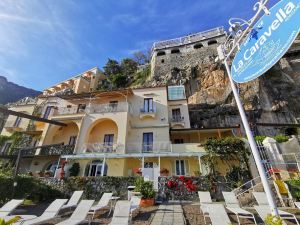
<point>252,143</point>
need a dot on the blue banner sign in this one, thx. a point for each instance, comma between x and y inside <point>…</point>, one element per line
<point>267,42</point>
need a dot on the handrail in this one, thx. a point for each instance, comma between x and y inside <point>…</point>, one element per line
<point>252,184</point>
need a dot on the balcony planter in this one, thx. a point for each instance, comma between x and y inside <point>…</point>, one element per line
<point>164,172</point>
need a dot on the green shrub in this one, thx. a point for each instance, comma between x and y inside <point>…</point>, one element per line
<point>273,220</point>
<point>281,138</point>
<point>74,170</point>
<point>27,187</point>
<point>147,190</point>
<point>294,186</point>
<point>138,184</point>
<point>260,138</point>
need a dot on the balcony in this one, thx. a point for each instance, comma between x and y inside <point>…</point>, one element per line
<point>155,147</point>
<point>177,121</point>
<point>13,126</point>
<point>103,148</point>
<point>68,111</point>
<point>57,149</point>
<point>187,147</point>
<point>148,112</point>
<point>110,108</point>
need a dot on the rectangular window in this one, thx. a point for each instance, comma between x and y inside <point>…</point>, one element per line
<point>81,108</point>
<point>148,165</point>
<point>6,147</point>
<point>180,167</point>
<point>108,139</point>
<point>176,115</point>
<point>72,140</point>
<point>148,105</point>
<point>17,122</point>
<point>176,92</point>
<point>47,112</point>
<point>148,142</point>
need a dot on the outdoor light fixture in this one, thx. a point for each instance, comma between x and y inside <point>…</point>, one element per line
<point>245,40</point>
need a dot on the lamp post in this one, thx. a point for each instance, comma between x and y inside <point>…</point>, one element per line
<point>239,28</point>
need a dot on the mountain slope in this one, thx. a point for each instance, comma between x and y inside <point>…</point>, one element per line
<point>11,92</point>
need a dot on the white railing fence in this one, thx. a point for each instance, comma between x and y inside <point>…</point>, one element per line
<point>107,147</point>
<point>162,146</point>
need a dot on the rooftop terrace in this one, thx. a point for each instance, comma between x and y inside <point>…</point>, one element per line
<point>200,36</point>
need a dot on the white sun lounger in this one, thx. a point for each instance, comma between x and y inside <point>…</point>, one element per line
<point>80,213</point>
<point>103,203</point>
<point>121,213</point>
<point>263,208</point>
<point>6,209</point>
<point>50,213</point>
<point>205,198</point>
<point>297,204</point>
<point>73,200</point>
<point>217,214</point>
<point>232,204</point>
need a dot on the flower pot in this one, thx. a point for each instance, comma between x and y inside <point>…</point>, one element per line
<point>147,202</point>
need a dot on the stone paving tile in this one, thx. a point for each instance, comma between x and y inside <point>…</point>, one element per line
<point>169,214</point>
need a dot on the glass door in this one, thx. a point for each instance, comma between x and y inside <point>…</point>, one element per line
<point>147,142</point>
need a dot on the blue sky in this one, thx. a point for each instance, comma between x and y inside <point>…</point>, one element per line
<point>45,41</point>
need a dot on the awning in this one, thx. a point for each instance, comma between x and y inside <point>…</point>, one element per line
<point>133,155</point>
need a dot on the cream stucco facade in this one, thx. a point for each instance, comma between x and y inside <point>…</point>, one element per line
<point>114,133</point>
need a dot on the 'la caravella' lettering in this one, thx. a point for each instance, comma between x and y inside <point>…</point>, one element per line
<point>281,15</point>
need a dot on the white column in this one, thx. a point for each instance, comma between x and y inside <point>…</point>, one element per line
<point>103,166</point>
<point>159,163</point>
<point>200,167</point>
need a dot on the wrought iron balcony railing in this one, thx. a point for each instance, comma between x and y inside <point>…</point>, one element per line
<point>97,147</point>
<point>155,147</point>
<point>59,149</point>
<point>177,119</point>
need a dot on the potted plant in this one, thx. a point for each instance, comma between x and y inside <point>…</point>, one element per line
<point>164,172</point>
<point>147,193</point>
<point>48,173</point>
<point>40,173</point>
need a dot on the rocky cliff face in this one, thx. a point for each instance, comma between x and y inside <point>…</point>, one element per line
<point>10,92</point>
<point>272,98</point>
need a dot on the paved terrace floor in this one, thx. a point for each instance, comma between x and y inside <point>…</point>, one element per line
<point>169,214</point>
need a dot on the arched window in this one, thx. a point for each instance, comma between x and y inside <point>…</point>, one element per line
<point>199,45</point>
<point>212,42</point>
<point>160,53</point>
<point>175,51</point>
<point>94,169</point>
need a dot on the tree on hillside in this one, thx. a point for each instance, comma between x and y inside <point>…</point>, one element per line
<point>142,57</point>
<point>111,68</point>
<point>128,67</point>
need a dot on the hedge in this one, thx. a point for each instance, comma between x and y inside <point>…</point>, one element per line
<point>48,189</point>
<point>27,187</point>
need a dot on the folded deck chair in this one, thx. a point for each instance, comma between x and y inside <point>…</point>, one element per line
<point>50,213</point>
<point>73,200</point>
<point>103,203</point>
<point>205,198</point>
<point>121,213</point>
<point>79,214</point>
<point>135,203</point>
<point>232,204</point>
<point>9,207</point>
<point>217,214</point>
<point>263,208</point>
